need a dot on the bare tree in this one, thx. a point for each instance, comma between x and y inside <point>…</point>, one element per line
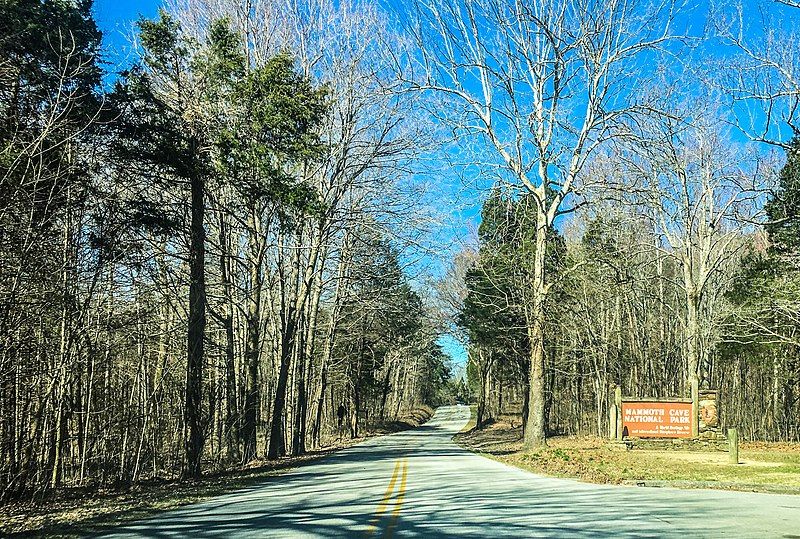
<point>763,78</point>
<point>542,85</point>
<point>372,133</point>
<point>700,200</point>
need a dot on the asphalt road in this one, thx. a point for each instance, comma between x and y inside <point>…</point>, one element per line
<point>419,484</point>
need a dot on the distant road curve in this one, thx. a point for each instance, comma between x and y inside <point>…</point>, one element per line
<point>418,483</point>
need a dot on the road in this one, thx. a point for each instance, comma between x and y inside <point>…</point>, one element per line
<point>418,483</point>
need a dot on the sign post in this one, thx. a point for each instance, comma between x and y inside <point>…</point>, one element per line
<point>612,422</point>
<point>618,411</point>
<point>733,446</point>
<point>695,407</point>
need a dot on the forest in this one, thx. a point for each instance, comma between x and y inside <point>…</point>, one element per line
<point>238,245</point>
<point>649,242</point>
<point>202,257</point>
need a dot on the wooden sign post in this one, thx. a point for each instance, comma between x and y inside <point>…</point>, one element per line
<point>733,446</point>
<point>695,408</point>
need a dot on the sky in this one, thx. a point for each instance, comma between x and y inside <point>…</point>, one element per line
<point>462,210</point>
<point>116,19</point>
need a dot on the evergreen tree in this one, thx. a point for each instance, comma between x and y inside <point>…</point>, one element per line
<point>496,309</point>
<point>783,209</point>
<point>766,295</point>
<point>192,117</point>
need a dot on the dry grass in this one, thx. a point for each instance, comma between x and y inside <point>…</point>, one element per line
<point>769,467</point>
<point>81,512</point>
<point>472,419</point>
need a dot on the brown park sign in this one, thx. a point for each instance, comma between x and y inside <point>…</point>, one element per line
<point>657,419</point>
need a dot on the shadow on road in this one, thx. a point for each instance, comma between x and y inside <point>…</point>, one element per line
<point>451,493</point>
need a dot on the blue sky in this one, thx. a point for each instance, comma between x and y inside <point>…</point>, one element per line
<point>115,15</point>
<point>116,19</point>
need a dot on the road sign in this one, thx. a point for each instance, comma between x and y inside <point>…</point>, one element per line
<point>657,419</point>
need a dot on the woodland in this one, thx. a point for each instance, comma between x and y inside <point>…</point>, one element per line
<point>235,247</point>
<point>201,262</point>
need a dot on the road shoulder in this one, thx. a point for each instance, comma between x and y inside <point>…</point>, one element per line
<point>765,467</point>
<point>78,512</point>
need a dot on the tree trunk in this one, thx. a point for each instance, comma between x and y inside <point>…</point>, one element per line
<point>252,353</point>
<point>316,432</point>
<point>330,335</point>
<point>193,411</point>
<point>535,428</point>
<point>276,435</point>
<point>385,394</point>
<point>231,406</point>
<point>299,427</point>
<point>355,404</point>
<point>692,346</point>
<point>484,370</point>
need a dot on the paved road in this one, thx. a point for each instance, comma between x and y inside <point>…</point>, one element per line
<point>419,484</point>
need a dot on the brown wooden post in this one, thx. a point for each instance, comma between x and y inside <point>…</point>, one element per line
<point>612,422</point>
<point>733,446</point>
<point>695,408</point>
<point>618,406</point>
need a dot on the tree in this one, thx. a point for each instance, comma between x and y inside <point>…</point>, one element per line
<point>381,315</point>
<point>232,176</point>
<point>190,111</point>
<point>273,139</point>
<point>783,208</point>
<point>695,194</point>
<point>164,134</point>
<point>496,310</point>
<point>765,325</point>
<point>761,78</point>
<point>49,102</point>
<point>539,85</point>
<point>371,131</point>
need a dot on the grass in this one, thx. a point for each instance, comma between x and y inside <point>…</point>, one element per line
<point>79,512</point>
<point>764,467</point>
<point>473,409</point>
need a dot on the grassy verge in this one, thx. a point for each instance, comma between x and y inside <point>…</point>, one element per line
<point>80,512</point>
<point>764,467</point>
<point>472,419</point>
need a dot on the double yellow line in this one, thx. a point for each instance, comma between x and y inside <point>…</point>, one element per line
<point>401,473</point>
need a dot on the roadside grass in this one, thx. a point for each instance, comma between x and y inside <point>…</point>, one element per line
<point>79,512</point>
<point>764,466</point>
<point>473,409</point>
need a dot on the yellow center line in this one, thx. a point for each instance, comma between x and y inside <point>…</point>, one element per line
<point>398,502</point>
<point>385,501</point>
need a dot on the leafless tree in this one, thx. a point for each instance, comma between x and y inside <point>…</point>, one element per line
<point>696,190</point>
<point>543,85</point>
<point>372,133</point>
<point>763,75</point>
